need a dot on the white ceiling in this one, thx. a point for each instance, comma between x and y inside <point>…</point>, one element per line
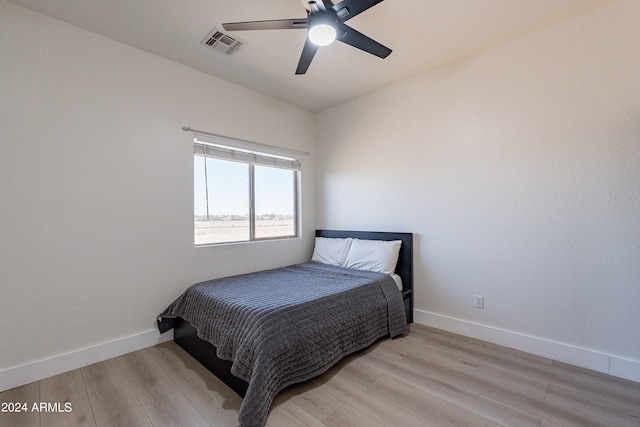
<point>424,34</point>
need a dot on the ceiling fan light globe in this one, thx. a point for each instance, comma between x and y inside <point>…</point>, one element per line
<point>322,34</point>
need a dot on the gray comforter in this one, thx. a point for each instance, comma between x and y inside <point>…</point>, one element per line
<point>285,326</point>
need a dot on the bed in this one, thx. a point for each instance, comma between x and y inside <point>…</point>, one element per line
<point>290,324</point>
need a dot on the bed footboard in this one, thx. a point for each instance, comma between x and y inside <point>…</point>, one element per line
<point>186,337</point>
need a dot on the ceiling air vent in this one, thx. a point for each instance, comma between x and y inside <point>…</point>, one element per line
<point>217,40</point>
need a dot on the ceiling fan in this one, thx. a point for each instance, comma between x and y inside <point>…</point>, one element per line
<point>325,22</point>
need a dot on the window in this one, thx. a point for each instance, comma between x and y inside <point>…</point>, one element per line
<point>243,191</point>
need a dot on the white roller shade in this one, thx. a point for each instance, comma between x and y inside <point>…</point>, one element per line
<point>246,152</point>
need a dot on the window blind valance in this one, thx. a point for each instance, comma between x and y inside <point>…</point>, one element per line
<point>247,152</point>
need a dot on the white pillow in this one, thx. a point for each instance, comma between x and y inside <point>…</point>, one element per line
<point>331,251</point>
<point>373,255</point>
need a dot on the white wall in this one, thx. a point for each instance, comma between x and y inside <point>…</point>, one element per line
<point>96,193</point>
<point>519,171</point>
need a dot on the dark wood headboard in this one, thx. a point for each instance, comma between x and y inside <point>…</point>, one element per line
<point>404,268</point>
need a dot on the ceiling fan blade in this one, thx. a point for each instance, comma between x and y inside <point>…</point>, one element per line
<point>348,35</point>
<point>308,52</point>
<point>326,4</point>
<point>347,9</point>
<point>277,24</point>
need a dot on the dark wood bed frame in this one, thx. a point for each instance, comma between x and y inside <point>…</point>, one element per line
<point>204,352</point>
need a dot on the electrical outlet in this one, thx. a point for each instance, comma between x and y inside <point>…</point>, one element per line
<point>478,301</point>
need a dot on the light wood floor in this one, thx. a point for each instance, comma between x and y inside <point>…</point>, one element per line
<point>427,378</point>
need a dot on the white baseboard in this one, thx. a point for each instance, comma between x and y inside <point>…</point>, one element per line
<point>582,357</point>
<point>25,374</point>
<point>585,358</point>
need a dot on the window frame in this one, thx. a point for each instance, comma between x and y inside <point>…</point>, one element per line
<point>252,208</point>
<point>252,154</point>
